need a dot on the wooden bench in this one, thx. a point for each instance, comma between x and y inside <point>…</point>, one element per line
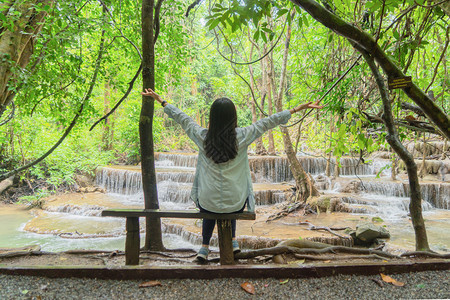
<point>132,243</point>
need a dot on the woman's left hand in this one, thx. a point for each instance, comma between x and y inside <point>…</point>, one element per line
<point>306,106</point>
<point>151,93</point>
<point>313,105</point>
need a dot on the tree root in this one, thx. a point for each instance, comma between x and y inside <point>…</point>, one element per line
<point>165,259</point>
<point>425,254</point>
<point>287,210</point>
<point>169,255</point>
<point>24,253</point>
<point>96,257</point>
<point>81,251</point>
<point>330,230</point>
<point>335,257</point>
<point>333,249</point>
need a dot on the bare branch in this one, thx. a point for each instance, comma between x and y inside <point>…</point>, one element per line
<point>156,19</point>
<point>440,58</point>
<point>10,116</point>
<point>130,87</point>
<point>194,4</point>
<point>255,61</point>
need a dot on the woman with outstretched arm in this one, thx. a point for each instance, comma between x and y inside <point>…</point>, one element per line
<point>222,182</point>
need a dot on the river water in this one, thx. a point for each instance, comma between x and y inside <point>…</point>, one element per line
<point>72,221</point>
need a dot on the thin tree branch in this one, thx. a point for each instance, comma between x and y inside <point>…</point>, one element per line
<point>236,72</point>
<point>327,92</point>
<point>430,6</point>
<point>440,59</point>
<point>48,95</point>
<point>156,19</point>
<point>255,61</point>
<point>401,16</point>
<point>197,2</point>
<point>120,30</point>
<point>381,21</point>
<point>11,114</point>
<point>130,87</point>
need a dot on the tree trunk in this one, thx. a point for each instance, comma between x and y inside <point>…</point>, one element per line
<point>107,126</point>
<point>337,172</point>
<point>305,188</point>
<point>364,41</point>
<point>267,72</point>
<point>394,167</point>
<point>271,148</point>
<point>415,206</point>
<point>153,238</point>
<point>16,46</point>
<point>260,149</point>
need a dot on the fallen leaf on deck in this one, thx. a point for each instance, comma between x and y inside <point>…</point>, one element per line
<point>398,283</point>
<point>62,258</point>
<point>296,262</point>
<point>150,284</point>
<point>389,279</point>
<point>284,281</point>
<point>248,287</point>
<point>327,261</point>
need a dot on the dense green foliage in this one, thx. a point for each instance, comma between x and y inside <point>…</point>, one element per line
<point>191,73</point>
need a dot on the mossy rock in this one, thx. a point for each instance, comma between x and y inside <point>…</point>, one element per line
<point>321,204</point>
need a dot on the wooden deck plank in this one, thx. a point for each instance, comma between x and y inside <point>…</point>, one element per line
<point>185,214</point>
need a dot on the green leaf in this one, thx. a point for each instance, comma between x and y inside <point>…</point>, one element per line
<point>263,36</point>
<point>396,34</point>
<point>282,12</point>
<point>3,18</point>
<point>214,24</point>
<point>330,38</point>
<point>271,36</point>
<point>305,20</point>
<point>256,35</point>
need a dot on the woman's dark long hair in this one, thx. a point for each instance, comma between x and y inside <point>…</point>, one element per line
<point>221,143</point>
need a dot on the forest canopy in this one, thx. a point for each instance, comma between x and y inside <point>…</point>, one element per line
<point>85,56</point>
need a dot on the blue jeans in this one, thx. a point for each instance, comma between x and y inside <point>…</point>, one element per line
<point>209,224</point>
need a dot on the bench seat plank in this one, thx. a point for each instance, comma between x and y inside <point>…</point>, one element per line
<point>184,214</point>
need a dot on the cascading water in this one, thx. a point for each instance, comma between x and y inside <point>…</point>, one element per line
<point>175,173</point>
<point>436,194</point>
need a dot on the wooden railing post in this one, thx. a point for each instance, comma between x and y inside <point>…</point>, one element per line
<point>225,243</point>
<point>132,243</point>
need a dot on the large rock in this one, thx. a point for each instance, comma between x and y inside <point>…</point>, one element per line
<point>351,187</point>
<point>368,232</point>
<point>83,181</point>
<point>5,184</point>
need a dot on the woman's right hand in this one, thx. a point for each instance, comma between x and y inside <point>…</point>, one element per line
<point>151,93</point>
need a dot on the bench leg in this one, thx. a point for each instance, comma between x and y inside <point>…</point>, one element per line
<point>132,243</point>
<point>225,244</point>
